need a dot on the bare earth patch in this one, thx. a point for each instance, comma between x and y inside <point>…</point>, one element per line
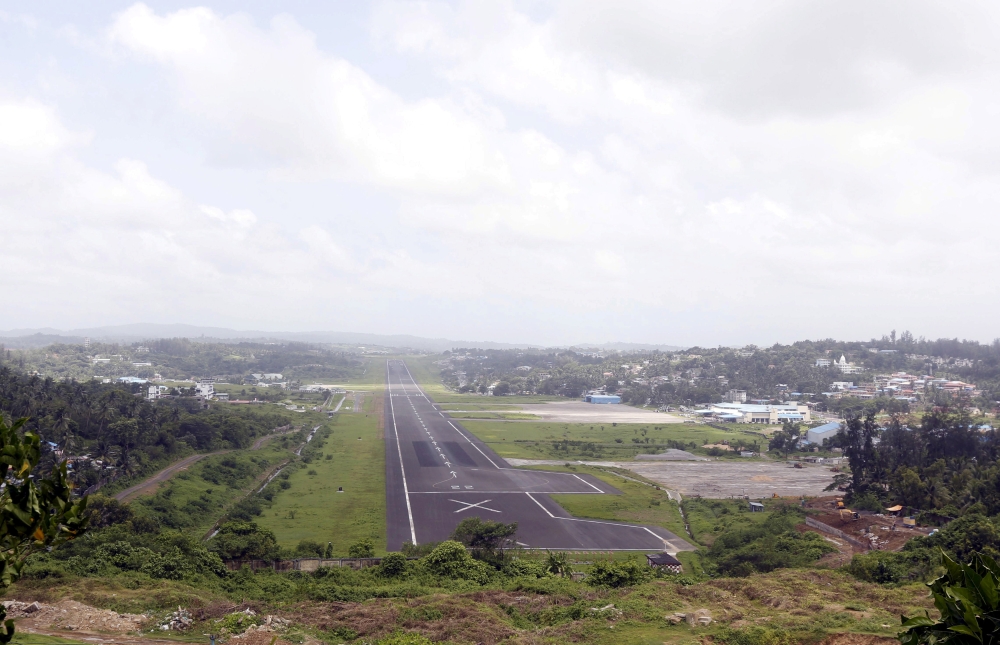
<point>580,412</point>
<point>718,479</point>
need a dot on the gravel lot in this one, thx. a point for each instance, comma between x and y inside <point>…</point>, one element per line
<point>721,478</point>
<point>580,412</point>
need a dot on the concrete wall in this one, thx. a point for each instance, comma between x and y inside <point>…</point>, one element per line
<point>303,564</point>
<point>826,528</point>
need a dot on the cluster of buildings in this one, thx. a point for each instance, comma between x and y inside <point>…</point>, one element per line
<point>901,386</point>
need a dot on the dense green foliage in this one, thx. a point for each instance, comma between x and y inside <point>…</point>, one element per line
<point>968,599</point>
<point>744,550</point>
<point>945,467</point>
<point>128,434</point>
<point>35,514</point>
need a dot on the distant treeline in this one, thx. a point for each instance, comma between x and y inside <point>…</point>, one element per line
<point>181,358</point>
<point>703,375</point>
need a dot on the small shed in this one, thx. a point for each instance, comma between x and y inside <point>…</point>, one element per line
<point>664,561</point>
<point>756,507</point>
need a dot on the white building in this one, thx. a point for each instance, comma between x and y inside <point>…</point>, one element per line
<point>768,414</point>
<point>822,362</point>
<point>206,390</point>
<point>848,368</point>
<point>736,396</point>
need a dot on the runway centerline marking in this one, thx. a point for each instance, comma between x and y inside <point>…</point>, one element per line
<point>402,470</point>
<point>476,505</point>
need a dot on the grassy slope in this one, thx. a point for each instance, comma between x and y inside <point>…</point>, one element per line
<point>190,486</point>
<point>805,605</point>
<point>321,513</point>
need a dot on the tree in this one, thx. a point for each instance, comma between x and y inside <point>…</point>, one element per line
<point>35,513</point>
<point>859,448</point>
<point>487,539</point>
<point>787,439</point>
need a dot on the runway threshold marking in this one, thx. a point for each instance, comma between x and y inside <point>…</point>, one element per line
<point>589,484</point>
<point>402,469</point>
<point>576,519</point>
<point>478,505</point>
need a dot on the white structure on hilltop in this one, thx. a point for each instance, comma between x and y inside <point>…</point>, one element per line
<point>848,368</point>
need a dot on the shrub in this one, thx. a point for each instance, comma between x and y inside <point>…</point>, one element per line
<point>244,540</point>
<point>404,638</point>
<point>393,564</point>
<point>451,560</point>
<point>362,549</point>
<point>309,548</point>
<point>608,573</point>
<point>753,636</point>
<point>882,567</point>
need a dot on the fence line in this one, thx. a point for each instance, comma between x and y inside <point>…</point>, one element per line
<point>304,564</point>
<point>826,528</point>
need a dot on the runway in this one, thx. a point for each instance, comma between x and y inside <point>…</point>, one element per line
<point>437,474</point>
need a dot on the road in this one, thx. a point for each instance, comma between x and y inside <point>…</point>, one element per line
<point>437,474</point>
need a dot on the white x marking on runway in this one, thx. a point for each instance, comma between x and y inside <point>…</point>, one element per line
<point>476,505</point>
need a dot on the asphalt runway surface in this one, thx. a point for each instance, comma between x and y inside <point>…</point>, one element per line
<point>438,473</point>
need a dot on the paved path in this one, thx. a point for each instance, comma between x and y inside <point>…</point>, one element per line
<point>438,474</point>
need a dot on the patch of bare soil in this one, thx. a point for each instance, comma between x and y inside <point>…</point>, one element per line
<point>69,615</point>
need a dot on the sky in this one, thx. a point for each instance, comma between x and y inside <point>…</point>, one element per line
<point>711,173</point>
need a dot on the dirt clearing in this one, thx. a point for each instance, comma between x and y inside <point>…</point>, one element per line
<point>719,479</point>
<point>580,412</point>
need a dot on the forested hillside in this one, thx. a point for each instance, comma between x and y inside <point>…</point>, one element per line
<point>116,426</point>
<point>702,375</point>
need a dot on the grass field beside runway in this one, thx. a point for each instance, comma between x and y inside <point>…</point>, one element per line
<point>639,503</point>
<point>196,497</point>
<point>553,440</point>
<point>312,509</point>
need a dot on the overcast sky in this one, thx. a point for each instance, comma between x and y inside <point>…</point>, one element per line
<point>547,172</point>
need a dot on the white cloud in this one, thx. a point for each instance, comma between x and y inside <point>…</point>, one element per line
<point>743,172</point>
<point>306,113</point>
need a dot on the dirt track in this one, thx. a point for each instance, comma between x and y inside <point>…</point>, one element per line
<point>154,482</point>
<point>150,485</point>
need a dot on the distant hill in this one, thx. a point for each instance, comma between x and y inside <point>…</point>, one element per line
<point>24,338</point>
<point>626,347</point>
